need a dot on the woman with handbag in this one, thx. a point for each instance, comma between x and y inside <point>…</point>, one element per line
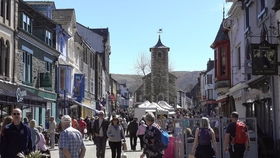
<point>115,135</point>
<point>205,145</point>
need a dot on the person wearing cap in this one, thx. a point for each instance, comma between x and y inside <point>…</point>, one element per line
<point>100,127</point>
<point>70,142</point>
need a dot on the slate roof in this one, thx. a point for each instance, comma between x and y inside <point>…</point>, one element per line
<point>94,39</point>
<point>40,2</point>
<point>221,36</point>
<point>104,32</point>
<point>159,44</point>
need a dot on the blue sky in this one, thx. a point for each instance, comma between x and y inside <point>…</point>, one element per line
<point>189,28</point>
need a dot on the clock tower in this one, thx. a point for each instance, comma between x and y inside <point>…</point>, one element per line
<point>159,72</point>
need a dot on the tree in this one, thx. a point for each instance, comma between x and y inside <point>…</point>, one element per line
<point>143,64</point>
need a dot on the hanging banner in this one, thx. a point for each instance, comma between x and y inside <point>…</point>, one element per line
<point>264,59</point>
<point>79,87</point>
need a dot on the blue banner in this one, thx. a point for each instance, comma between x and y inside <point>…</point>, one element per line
<point>79,87</point>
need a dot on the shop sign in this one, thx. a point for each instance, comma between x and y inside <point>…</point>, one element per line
<point>20,94</point>
<point>264,59</point>
<point>45,80</point>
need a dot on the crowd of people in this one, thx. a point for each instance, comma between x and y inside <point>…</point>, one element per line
<point>17,136</point>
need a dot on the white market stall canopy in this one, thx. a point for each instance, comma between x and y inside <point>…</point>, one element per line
<point>160,110</point>
<point>165,105</point>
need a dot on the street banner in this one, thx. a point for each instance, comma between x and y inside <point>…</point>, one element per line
<point>79,87</point>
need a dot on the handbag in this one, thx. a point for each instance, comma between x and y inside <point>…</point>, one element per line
<point>191,156</point>
<point>124,146</point>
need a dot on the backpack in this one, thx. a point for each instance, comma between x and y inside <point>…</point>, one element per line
<point>204,136</point>
<point>241,136</point>
<point>164,138</point>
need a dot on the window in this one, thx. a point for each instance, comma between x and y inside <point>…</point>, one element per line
<point>159,54</point>
<point>2,51</point>
<point>48,38</point>
<point>247,12</point>
<point>62,74</point>
<point>8,5</point>
<point>26,23</point>
<point>48,67</point>
<point>2,8</point>
<point>209,94</point>
<point>27,67</point>
<point>6,59</point>
<point>209,79</point>
<point>223,61</point>
<point>262,4</point>
<point>238,56</point>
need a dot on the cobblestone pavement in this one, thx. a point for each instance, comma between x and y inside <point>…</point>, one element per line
<point>91,150</point>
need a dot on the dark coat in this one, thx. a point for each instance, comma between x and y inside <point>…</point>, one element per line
<point>104,127</point>
<point>132,128</point>
<point>15,140</point>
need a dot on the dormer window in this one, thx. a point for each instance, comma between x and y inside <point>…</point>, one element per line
<point>48,38</point>
<point>26,23</point>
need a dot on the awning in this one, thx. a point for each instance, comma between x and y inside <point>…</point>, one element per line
<point>83,105</point>
<point>16,94</point>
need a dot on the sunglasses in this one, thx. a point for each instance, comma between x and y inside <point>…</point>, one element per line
<point>16,114</point>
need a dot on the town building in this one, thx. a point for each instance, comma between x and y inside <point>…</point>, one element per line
<point>159,85</point>
<point>36,61</point>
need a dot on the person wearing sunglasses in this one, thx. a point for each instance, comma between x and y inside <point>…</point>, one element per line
<point>17,138</point>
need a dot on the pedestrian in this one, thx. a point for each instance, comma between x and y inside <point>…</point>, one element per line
<point>132,129</point>
<point>153,147</point>
<point>141,132</point>
<point>100,127</point>
<point>204,145</point>
<point>35,137</point>
<point>82,125</point>
<point>7,120</point>
<point>71,142</point>
<point>116,136</point>
<point>75,124</point>
<point>51,130</point>
<point>16,138</point>
<point>236,137</point>
<point>124,124</point>
<point>26,121</point>
<point>41,146</point>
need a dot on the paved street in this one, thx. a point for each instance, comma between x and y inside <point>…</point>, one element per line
<point>91,150</point>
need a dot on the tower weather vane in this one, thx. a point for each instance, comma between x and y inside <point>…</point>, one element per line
<point>159,31</point>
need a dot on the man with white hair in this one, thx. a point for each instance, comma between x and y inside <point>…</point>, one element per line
<point>70,141</point>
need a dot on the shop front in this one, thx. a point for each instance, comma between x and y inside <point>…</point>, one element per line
<point>16,96</point>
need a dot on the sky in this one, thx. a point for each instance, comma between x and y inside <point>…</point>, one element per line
<point>189,28</point>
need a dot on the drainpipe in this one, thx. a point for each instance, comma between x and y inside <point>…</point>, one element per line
<point>274,115</point>
<point>14,47</point>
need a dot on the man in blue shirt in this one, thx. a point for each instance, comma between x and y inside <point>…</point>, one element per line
<point>16,137</point>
